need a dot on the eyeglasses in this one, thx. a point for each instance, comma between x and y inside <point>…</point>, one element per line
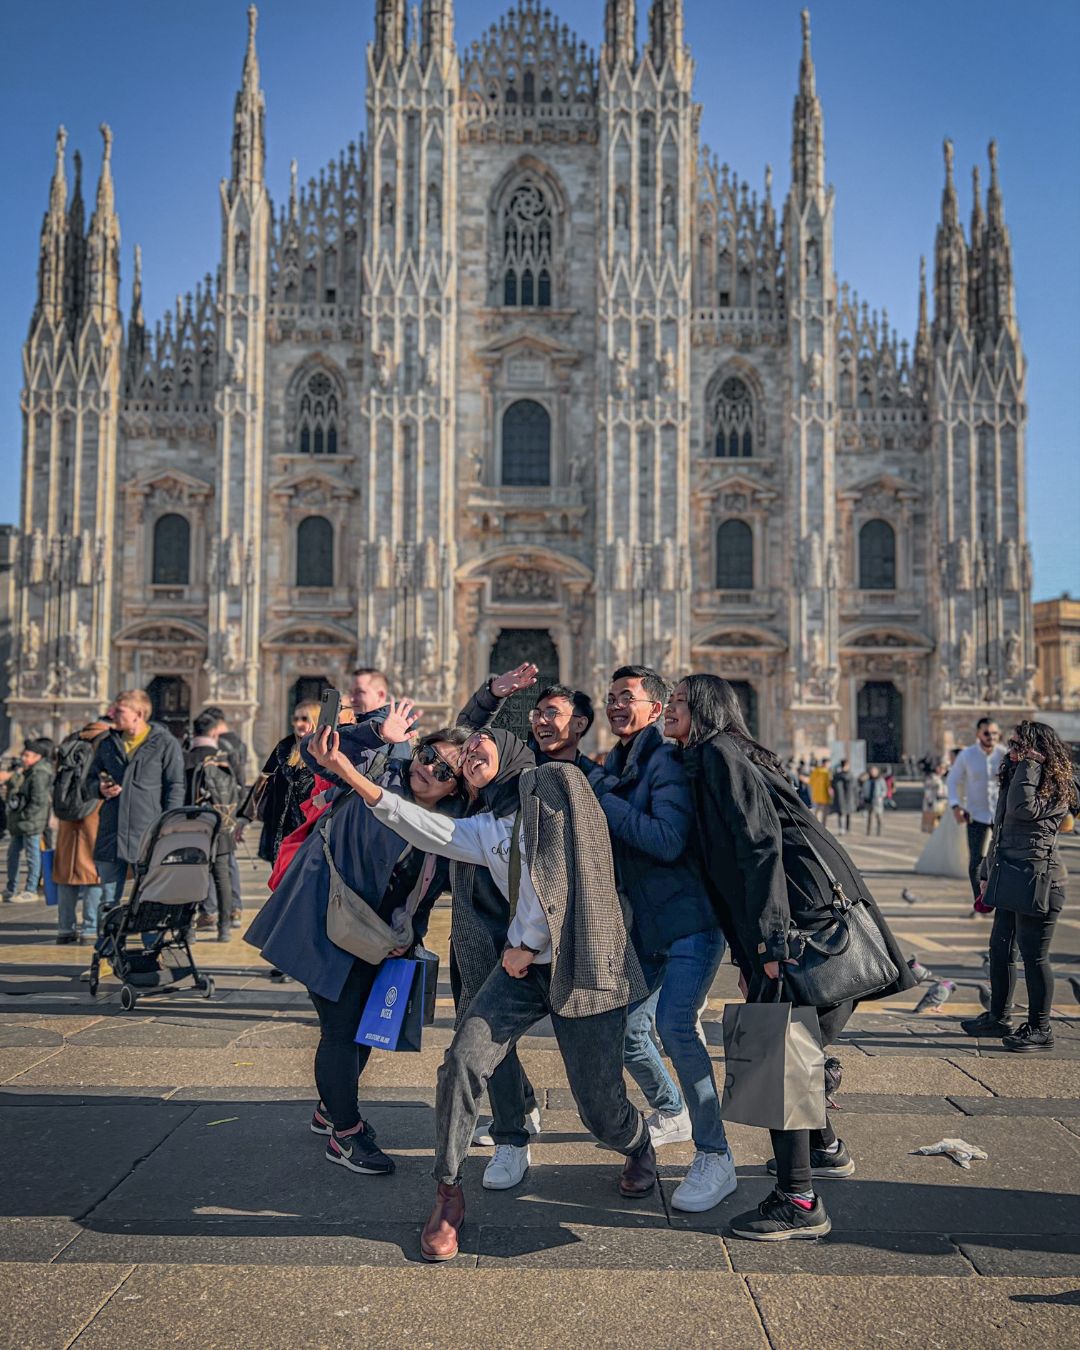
<point>442,770</point>
<point>549,714</point>
<point>624,700</point>
<point>994,735</point>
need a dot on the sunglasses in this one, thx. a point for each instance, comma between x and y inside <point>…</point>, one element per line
<point>441,770</point>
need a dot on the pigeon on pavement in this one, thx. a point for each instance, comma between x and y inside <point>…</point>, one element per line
<point>910,896</point>
<point>935,996</point>
<point>984,995</point>
<point>918,969</point>
<point>1074,984</point>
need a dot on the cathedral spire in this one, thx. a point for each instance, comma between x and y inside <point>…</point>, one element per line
<point>808,130</point>
<point>437,31</point>
<point>922,335</point>
<point>998,293</point>
<point>249,114</point>
<point>665,31</point>
<point>389,32</point>
<point>950,259</point>
<point>976,310</point>
<point>136,334</point>
<point>75,250</point>
<point>620,32</point>
<point>50,299</point>
<point>103,243</point>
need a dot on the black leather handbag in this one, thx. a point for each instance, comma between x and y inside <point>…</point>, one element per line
<point>844,959</point>
<point>1021,887</point>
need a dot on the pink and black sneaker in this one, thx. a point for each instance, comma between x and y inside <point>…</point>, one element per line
<point>320,1123</point>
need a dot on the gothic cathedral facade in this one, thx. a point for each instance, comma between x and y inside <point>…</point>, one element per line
<point>527,373</point>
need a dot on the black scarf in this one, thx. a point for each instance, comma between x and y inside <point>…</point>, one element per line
<point>500,796</point>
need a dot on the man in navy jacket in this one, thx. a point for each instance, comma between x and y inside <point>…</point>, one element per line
<point>646,798</point>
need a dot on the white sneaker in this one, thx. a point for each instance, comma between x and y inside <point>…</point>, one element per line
<point>482,1133</point>
<point>506,1168</point>
<point>710,1179</point>
<point>25,898</point>
<point>669,1127</point>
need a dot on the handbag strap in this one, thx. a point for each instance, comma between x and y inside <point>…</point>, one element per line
<point>515,864</point>
<point>830,876</point>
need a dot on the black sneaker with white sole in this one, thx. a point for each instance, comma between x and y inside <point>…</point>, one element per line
<point>1027,1037</point>
<point>825,1164</point>
<point>778,1219</point>
<point>359,1153</point>
<point>320,1122</point>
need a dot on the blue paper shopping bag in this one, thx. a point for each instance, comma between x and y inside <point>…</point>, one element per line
<point>393,1015</point>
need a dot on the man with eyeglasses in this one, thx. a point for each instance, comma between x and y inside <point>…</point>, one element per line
<point>559,722</point>
<point>973,793</point>
<point>646,799</point>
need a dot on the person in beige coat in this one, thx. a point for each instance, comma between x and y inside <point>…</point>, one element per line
<point>74,869</point>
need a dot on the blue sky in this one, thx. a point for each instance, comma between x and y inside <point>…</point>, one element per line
<point>894,78</point>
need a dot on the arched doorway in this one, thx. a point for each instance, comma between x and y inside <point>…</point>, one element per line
<point>512,647</point>
<point>880,713</point>
<point>307,689</point>
<point>747,696</point>
<point>170,698</point>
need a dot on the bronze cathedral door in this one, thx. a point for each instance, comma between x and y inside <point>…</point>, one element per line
<point>512,647</point>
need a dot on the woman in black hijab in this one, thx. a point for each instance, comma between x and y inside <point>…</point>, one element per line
<point>491,762</point>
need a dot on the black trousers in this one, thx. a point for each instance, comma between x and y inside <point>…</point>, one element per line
<point>978,841</point>
<point>791,1148</point>
<point>1027,936</point>
<point>339,1061</point>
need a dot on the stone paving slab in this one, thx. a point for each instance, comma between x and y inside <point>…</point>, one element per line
<point>104,1067</point>
<point>26,1239</point>
<point>909,1075</point>
<point>46,1306</point>
<point>482,1309</point>
<point>1018,1106</point>
<point>1027,1254</point>
<point>1011,1075</point>
<point>818,1312</point>
<point>853,1252</point>
<point>70,1159</point>
<point>14,1060</point>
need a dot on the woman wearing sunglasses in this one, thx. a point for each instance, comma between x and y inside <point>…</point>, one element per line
<point>290,929</point>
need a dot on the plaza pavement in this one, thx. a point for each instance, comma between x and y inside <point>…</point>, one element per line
<point>160,1184</point>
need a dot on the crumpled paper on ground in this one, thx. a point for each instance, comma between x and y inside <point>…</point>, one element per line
<point>957,1149</point>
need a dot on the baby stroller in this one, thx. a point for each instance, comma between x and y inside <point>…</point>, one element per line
<point>172,877</point>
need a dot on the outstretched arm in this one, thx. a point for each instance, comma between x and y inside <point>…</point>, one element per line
<point>459,840</point>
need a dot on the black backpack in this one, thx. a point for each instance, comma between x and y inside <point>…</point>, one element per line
<point>213,784</point>
<point>73,796</point>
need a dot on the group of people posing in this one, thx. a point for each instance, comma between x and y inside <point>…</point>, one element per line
<point>603,895</point>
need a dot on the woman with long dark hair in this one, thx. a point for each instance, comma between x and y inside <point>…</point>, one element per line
<point>287,782</point>
<point>290,929</point>
<point>762,855</point>
<point>1037,790</point>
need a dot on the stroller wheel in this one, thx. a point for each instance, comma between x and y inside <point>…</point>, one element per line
<point>95,968</point>
<point>128,997</point>
<point>208,987</point>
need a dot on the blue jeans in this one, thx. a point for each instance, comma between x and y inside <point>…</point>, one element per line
<point>68,899</point>
<point>680,981</point>
<point>30,844</point>
<point>113,876</point>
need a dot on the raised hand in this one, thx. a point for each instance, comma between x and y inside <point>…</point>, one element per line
<point>398,724</point>
<point>521,677</point>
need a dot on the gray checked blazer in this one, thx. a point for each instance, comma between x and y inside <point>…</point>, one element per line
<point>594,967</point>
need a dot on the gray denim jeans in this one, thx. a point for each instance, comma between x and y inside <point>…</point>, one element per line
<point>503,1010</point>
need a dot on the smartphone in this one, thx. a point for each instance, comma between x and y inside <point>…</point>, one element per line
<point>329,708</point>
<point>107,780</point>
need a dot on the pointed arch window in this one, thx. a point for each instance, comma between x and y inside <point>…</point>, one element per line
<point>733,420</point>
<point>172,551</point>
<point>734,556</point>
<point>317,415</point>
<point>877,556</point>
<point>526,225</point>
<point>315,552</point>
<point>526,445</point>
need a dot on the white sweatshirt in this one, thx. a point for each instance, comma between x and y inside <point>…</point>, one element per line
<point>482,839</point>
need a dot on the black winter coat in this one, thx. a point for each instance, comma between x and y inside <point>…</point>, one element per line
<point>762,877</point>
<point>1026,825</point>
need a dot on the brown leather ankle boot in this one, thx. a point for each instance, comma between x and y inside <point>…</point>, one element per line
<point>639,1174</point>
<point>439,1240</point>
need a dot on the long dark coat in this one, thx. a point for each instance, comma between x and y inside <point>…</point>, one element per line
<point>761,876</point>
